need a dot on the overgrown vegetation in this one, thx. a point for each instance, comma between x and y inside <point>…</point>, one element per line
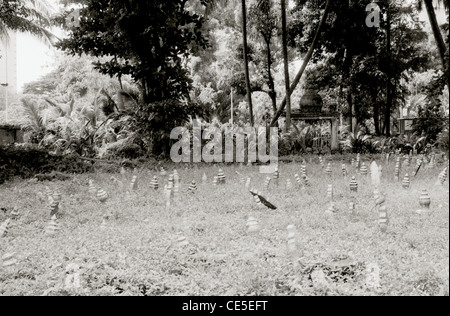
<point>138,252</point>
<point>114,97</point>
<point>27,161</point>
<point>433,115</point>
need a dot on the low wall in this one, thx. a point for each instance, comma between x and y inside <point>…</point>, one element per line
<point>10,135</point>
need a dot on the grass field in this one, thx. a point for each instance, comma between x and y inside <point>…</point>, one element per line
<point>138,252</point>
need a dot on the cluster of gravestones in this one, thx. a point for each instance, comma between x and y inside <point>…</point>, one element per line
<point>362,169</point>
<point>172,188</point>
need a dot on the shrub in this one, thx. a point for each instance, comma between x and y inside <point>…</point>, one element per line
<point>442,140</point>
<point>433,115</point>
<point>27,161</point>
<point>360,143</point>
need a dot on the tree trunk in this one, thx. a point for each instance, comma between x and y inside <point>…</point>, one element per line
<point>286,65</point>
<point>353,111</point>
<point>387,113</point>
<point>376,112</point>
<point>272,93</point>
<point>437,36</point>
<point>305,63</point>
<point>247,74</point>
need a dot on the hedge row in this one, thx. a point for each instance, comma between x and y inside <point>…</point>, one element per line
<point>26,162</point>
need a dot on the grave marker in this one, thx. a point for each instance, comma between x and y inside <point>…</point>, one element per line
<point>267,183</point>
<point>4,228</point>
<point>330,192</point>
<point>291,239</point>
<point>328,170</point>
<point>133,183</point>
<point>9,260</point>
<point>221,177</point>
<point>192,187</point>
<point>353,185</point>
<point>344,170</point>
<point>53,226</point>
<point>363,170</point>
<point>424,201</point>
<point>102,196</point>
<point>252,225</point>
<point>276,177</point>
<point>406,182</point>
<point>154,183</point>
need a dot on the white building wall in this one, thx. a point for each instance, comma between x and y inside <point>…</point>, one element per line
<point>8,67</point>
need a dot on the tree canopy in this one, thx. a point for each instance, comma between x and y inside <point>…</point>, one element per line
<point>145,39</point>
<point>33,16</point>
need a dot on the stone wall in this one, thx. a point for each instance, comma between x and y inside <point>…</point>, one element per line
<point>10,135</point>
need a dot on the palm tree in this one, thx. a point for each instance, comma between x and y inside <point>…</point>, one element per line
<point>305,62</point>
<point>247,73</point>
<point>33,16</point>
<point>286,65</point>
<point>443,52</point>
<point>387,113</point>
<point>211,6</point>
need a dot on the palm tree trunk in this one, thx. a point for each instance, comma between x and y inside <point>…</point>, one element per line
<point>387,113</point>
<point>305,62</point>
<point>437,36</point>
<point>247,73</point>
<point>286,65</point>
<point>272,93</point>
<point>376,112</point>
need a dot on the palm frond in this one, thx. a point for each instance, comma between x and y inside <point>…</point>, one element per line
<point>59,108</point>
<point>42,6</point>
<point>105,102</point>
<point>32,16</point>
<point>22,24</point>
<point>34,120</point>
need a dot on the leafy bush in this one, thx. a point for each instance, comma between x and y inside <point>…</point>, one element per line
<point>443,140</point>
<point>433,115</point>
<point>303,139</point>
<point>360,143</point>
<point>430,122</point>
<point>27,161</point>
<point>89,130</point>
<point>394,144</point>
<point>154,122</point>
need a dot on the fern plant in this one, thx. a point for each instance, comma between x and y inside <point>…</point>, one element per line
<point>33,122</point>
<point>360,142</point>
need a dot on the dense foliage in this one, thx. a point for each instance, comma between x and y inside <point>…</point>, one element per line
<point>433,115</point>
<point>186,60</point>
<point>26,162</point>
<point>150,48</point>
<point>139,248</point>
<point>33,16</point>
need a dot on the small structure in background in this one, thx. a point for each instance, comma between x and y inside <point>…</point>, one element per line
<point>311,111</point>
<point>405,127</point>
<point>10,134</point>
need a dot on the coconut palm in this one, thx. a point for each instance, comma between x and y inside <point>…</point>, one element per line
<point>247,73</point>
<point>442,48</point>
<point>286,64</point>
<point>306,60</point>
<point>213,5</point>
<point>32,16</point>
